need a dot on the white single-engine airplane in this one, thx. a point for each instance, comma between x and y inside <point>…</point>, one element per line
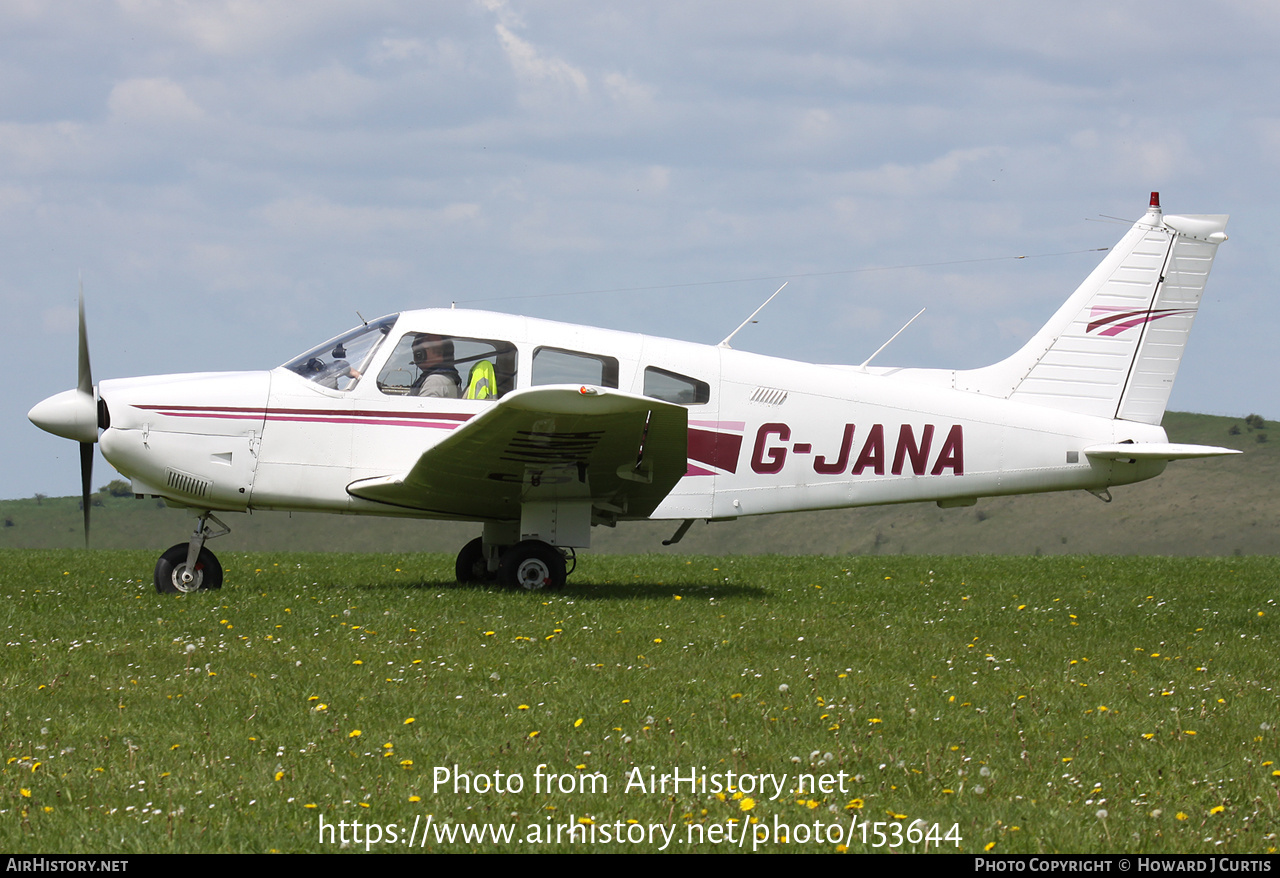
<point>542,430</point>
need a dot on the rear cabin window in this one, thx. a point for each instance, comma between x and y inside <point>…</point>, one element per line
<point>456,368</point>
<point>557,366</point>
<point>674,387</point>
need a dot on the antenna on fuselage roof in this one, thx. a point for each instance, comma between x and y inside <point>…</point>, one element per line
<point>751,319</point>
<point>362,320</point>
<point>890,341</point>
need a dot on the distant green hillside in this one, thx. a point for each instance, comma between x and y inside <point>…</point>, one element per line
<point>1197,507</point>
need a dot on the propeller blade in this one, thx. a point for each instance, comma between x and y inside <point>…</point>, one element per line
<point>85,375</point>
<point>86,478</point>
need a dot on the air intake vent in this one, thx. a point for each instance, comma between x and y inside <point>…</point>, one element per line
<point>768,396</point>
<point>188,484</point>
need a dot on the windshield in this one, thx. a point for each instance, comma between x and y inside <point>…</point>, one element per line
<point>340,363</point>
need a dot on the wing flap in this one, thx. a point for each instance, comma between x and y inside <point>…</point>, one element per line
<point>623,453</point>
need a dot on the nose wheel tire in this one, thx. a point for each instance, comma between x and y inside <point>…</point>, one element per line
<point>169,569</point>
<point>532,565</point>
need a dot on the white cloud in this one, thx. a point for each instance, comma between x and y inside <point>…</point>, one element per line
<point>152,100</point>
<point>535,70</point>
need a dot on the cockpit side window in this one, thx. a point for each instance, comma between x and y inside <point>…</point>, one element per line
<point>449,367</point>
<point>339,364</point>
<point>558,366</point>
<point>674,387</point>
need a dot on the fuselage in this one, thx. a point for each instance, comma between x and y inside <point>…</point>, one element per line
<point>764,434</point>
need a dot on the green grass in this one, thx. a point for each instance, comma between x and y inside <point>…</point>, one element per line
<point>1016,698</point>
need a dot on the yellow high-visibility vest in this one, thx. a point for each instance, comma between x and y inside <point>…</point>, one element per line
<point>482,383</point>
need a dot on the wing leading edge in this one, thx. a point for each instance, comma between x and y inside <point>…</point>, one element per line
<point>617,454</point>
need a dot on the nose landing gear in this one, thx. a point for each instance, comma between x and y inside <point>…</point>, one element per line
<point>189,567</point>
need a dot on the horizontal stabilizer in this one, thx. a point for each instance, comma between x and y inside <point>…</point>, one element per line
<point>1156,451</point>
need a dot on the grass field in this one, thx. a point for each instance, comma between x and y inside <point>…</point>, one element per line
<point>1071,704</point>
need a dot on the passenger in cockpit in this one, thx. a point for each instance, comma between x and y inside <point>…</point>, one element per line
<point>434,355</point>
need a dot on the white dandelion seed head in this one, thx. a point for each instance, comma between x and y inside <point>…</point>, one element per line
<point>1102,814</point>
<point>784,688</point>
<point>985,771</point>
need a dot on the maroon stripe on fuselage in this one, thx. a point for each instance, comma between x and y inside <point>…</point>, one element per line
<point>717,449</point>
<point>315,416</point>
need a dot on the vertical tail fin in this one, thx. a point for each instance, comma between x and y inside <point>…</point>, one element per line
<point>1113,349</point>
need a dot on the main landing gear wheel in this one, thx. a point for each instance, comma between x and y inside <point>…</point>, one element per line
<point>532,566</point>
<point>471,565</point>
<point>206,576</point>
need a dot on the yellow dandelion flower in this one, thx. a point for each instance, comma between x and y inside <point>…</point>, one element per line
<point>522,707</point>
<point>48,809</point>
<point>533,734</point>
<point>657,640</point>
<point>1188,732</point>
<point>357,662</point>
<point>586,821</point>
<point>1218,809</point>
<point>855,805</point>
<point>577,722</point>
<point>747,804</point>
<point>355,733</point>
<point>363,804</point>
<point>1180,815</point>
<point>989,845</point>
<point>310,805</point>
<point>409,721</point>
<point>26,793</point>
<point>279,775</point>
<point>415,798</point>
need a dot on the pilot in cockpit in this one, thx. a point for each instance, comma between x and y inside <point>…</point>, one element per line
<point>434,355</point>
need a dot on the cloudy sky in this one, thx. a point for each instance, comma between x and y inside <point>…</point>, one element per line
<point>235,180</point>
